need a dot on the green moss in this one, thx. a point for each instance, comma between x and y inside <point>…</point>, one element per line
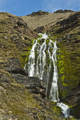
<point>55,108</point>
<point>25,53</point>
<point>24,58</point>
<point>66,72</point>
<point>39,35</point>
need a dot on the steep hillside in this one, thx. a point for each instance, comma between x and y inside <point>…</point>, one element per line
<point>67,33</point>
<point>15,37</point>
<point>21,97</point>
<point>63,26</point>
<point>41,21</point>
<point>24,98</point>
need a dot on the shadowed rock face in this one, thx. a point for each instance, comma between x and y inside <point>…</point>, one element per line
<point>35,85</point>
<point>74,100</point>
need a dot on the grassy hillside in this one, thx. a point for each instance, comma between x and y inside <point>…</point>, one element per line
<point>17,100</point>
<point>15,37</point>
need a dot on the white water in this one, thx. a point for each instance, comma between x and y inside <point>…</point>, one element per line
<point>42,63</point>
<point>65,109</point>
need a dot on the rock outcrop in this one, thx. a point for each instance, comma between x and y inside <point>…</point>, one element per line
<point>21,97</point>
<point>40,12</point>
<point>66,30</point>
<point>63,11</point>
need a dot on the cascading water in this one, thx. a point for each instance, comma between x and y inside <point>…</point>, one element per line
<point>42,63</point>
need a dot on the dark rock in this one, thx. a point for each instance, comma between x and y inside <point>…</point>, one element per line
<point>3,22</point>
<point>35,85</point>
<point>21,23</point>
<point>19,71</point>
<point>71,22</point>
<point>40,12</point>
<point>75,111</point>
<point>79,84</point>
<point>12,64</point>
<point>1,65</point>
<point>13,38</point>
<point>74,100</point>
<point>63,11</point>
<point>40,29</point>
<point>5,80</point>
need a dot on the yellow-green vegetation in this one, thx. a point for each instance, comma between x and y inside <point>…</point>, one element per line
<point>67,33</point>
<point>66,72</point>
<point>16,102</point>
<point>24,54</point>
<point>16,40</point>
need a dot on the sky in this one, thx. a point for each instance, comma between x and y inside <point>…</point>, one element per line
<point>25,7</point>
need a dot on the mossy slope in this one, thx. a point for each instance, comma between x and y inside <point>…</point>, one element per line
<point>67,33</point>
<point>16,102</point>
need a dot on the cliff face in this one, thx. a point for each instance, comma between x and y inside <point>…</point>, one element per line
<point>14,36</point>
<point>22,97</point>
<point>64,26</point>
<point>67,33</point>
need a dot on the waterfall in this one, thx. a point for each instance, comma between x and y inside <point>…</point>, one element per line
<point>42,63</point>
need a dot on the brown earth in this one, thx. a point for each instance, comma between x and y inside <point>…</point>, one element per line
<point>45,21</point>
<point>21,98</point>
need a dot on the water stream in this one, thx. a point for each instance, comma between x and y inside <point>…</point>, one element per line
<point>42,63</point>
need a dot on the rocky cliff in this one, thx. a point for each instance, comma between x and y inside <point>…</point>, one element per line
<point>24,98</point>
<point>21,97</point>
<point>64,26</point>
<point>67,33</point>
